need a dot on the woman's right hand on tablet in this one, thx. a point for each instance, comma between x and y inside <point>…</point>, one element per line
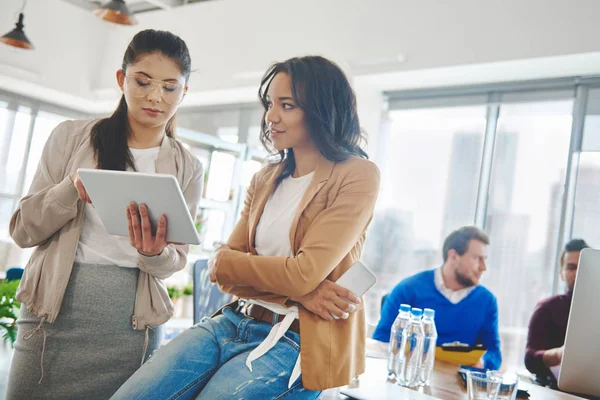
<point>80,188</point>
<point>329,300</point>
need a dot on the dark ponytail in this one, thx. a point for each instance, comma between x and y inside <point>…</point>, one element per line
<point>109,135</point>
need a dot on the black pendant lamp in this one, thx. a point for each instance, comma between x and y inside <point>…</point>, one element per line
<point>16,37</point>
<point>116,11</point>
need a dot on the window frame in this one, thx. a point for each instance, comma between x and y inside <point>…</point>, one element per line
<point>494,95</point>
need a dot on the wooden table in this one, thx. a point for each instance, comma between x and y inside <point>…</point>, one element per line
<point>446,384</point>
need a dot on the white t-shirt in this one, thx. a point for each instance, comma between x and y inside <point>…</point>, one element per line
<point>96,246</point>
<point>273,239</point>
<point>273,230</point>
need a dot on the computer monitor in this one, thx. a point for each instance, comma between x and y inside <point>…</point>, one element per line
<point>579,370</point>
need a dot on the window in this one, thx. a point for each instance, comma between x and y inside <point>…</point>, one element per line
<point>223,124</point>
<point>586,219</point>
<point>436,150</point>
<point>220,175</point>
<point>23,134</point>
<point>430,175</point>
<point>45,123</point>
<point>532,147</point>
<point>250,168</point>
<point>586,216</point>
<point>7,207</point>
<point>220,139</point>
<point>14,150</point>
<point>528,175</point>
<point>254,129</point>
<point>15,135</point>
<point>591,130</point>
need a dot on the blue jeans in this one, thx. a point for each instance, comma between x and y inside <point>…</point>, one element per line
<point>208,362</point>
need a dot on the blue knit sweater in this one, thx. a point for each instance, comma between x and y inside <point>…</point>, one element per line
<point>474,320</point>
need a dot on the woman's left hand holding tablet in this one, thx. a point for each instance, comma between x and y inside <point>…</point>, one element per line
<point>140,231</point>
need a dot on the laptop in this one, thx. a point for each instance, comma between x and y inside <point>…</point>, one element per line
<point>581,358</point>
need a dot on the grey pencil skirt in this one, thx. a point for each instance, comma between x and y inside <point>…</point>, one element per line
<point>91,349</point>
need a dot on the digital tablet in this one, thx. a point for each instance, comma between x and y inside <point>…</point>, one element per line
<point>112,191</point>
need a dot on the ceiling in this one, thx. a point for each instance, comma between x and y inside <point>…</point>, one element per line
<point>382,45</point>
<point>137,6</point>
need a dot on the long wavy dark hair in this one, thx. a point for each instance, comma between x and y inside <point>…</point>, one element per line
<point>320,88</point>
<point>109,135</point>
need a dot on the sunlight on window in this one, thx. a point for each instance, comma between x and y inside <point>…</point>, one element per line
<point>430,184</point>
<point>250,168</point>
<point>254,137</point>
<point>591,128</point>
<point>44,124</point>
<point>7,207</point>
<point>215,223</point>
<point>228,133</point>
<point>432,169</point>
<point>16,152</point>
<point>220,176</point>
<point>429,188</point>
<point>4,113</point>
<point>586,218</point>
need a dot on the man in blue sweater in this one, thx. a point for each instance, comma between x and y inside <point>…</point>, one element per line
<point>464,310</point>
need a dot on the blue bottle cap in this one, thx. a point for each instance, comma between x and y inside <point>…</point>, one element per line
<point>428,312</point>
<point>417,312</point>
<point>404,307</point>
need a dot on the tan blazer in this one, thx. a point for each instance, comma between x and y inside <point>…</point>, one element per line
<point>327,235</point>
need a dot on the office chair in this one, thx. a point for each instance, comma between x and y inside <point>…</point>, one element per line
<point>14,274</point>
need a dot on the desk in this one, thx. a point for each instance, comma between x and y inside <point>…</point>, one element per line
<point>446,384</point>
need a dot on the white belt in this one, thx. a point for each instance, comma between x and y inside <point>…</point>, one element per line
<point>277,332</point>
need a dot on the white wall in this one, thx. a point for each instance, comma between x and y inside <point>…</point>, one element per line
<point>232,36</point>
<point>370,104</point>
<point>69,44</point>
<point>76,54</point>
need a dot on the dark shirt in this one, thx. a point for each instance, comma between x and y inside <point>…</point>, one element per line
<point>547,330</point>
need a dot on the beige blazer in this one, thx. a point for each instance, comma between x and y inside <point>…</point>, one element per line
<point>50,218</point>
<point>327,235</point>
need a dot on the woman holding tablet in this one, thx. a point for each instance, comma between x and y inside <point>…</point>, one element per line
<point>92,303</point>
<point>303,225</point>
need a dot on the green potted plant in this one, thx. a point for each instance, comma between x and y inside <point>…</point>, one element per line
<point>175,294</point>
<point>188,289</point>
<point>9,308</point>
<point>188,301</point>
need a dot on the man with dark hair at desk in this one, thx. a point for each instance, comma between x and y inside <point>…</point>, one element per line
<point>464,310</point>
<point>548,324</point>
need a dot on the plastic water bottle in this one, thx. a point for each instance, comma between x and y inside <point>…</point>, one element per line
<point>429,343</point>
<point>394,348</point>
<point>412,348</point>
